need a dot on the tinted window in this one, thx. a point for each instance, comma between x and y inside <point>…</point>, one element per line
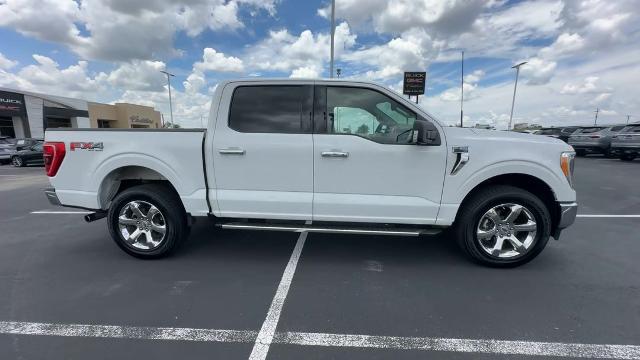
<point>631,129</point>
<point>617,128</point>
<point>549,132</point>
<point>267,109</point>
<point>369,114</point>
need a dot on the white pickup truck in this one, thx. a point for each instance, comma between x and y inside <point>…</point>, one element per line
<point>318,156</point>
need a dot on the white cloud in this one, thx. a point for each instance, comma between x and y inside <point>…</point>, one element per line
<point>5,63</point>
<point>305,72</point>
<point>411,51</point>
<point>124,30</point>
<point>217,61</point>
<point>139,75</point>
<point>589,86</point>
<point>538,71</point>
<point>282,51</point>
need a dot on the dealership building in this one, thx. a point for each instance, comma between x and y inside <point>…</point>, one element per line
<point>25,114</point>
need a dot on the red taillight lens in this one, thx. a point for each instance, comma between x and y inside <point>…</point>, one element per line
<point>595,136</point>
<point>53,153</point>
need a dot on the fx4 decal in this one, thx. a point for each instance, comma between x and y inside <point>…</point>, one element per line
<point>90,146</point>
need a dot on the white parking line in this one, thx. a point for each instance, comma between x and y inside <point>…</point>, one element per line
<point>268,330</point>
<point>489,346</point>
<point>480,346</point>
<point>60,212</point>
<point>606,216</point>
<point>126,332</point>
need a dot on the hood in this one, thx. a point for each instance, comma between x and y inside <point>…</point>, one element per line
<point>505,136</point>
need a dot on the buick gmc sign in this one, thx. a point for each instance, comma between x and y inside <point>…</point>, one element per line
<point>11,104</point>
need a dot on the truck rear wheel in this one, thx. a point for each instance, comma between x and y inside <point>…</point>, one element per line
<point>503,226</point>
<point>147,221</point>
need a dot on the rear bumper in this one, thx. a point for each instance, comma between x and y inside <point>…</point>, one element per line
<point>5,156</point>
<point>51,195</point>
<point>568,212</point>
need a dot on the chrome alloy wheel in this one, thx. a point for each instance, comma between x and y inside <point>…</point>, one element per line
<point>507,231</point>
<point>17,161</point>
<point>139,218</point>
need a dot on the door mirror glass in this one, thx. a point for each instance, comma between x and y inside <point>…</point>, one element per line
<point>425,133</point>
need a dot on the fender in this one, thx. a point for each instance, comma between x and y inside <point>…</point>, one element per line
<point>487,172</point>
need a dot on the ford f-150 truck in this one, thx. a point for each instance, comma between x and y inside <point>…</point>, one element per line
<point>319,156</point>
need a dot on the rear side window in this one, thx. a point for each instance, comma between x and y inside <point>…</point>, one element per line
<point>617,128</point>
<point>268,109</point>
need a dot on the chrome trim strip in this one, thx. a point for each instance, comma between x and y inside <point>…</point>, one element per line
<point>335,154</point>
<point>320,230</point>
<point>568,212</point>
<point>462,158</point>
<point>231,151</point>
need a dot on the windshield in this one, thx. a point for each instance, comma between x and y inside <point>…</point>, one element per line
<point>589,130</point>
<point>548,132</point>
<point>631,129</point>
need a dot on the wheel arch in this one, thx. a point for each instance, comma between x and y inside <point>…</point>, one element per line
<point>124,177</point>
<point>526,182</point>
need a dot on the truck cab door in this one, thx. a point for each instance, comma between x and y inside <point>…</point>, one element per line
<point>367,166</point>
<point>263,151</point>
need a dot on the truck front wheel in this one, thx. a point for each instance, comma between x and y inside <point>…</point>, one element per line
<point>503,226</point>
<point>147,221</point>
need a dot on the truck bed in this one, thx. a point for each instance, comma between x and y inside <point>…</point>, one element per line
<point>97,159</point>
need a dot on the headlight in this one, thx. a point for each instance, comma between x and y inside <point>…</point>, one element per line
<point>566,164</point>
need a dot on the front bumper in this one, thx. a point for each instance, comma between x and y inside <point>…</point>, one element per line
<point>568,212</point>
<point>52,196</point>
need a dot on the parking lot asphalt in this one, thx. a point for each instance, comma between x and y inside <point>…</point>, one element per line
<point>67,292</point>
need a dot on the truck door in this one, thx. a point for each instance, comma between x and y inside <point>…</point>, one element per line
<point>366,167</point>
<point>263,151</point>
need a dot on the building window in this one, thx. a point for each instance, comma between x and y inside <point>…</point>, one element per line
<point>103,124</point>
<point>6,127</point>
<point>54,122</point>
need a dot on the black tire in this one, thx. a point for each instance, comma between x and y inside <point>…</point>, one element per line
<point>17,161</point>
<point>167,201</point>
<point>581,152</point>
<point>607,153</point>
<point>627,157</point>
<point>475,207</point>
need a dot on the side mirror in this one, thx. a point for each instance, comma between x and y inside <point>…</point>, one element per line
<point>425,133</point>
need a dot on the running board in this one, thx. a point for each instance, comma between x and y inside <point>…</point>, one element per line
<point>332,230</point>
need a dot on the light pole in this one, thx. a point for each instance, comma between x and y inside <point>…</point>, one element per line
<point>461,87</point>
<point>169,75</point>
<point>333,32</point>
<point>513,102</point>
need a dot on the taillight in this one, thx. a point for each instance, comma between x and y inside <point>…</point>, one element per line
<point>595,136</point>
<point>53,153</point>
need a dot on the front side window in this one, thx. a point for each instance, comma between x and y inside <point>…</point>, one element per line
<point>368,113</point>
<point>267,109</point>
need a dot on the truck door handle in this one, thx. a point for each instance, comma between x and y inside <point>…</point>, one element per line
<point>335,154</point>
<point>231,151</point>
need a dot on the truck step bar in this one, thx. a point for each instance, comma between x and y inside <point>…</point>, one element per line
<point>332,229</point>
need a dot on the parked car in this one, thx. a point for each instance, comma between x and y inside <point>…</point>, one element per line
<point>626,144</point>
<point>32,155</point>
<point>320,156</point>
<point>561,133</point>
<point>7,146</point>
<point>594,139</point>
<point>566,132</point>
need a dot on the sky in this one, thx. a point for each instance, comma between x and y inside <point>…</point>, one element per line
<point>581,55</point>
